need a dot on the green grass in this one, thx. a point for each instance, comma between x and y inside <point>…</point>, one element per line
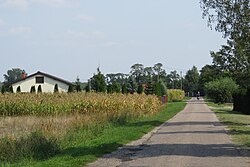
<point>78,150</point>
<point>237,123</point>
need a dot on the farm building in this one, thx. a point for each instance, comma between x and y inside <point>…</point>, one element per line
<point>47,82</point>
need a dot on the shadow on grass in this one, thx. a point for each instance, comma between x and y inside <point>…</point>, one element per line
<point>97,150</point>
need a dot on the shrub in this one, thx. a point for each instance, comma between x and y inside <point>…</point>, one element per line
<point>34,146</point>
<point>221,90</point>
<point>140,89</point>
<point>11,89</point>
<point>124,89</point>
<point>160,89</point>
<point>3,89</point>
<point>175,95</point>
<point>70,89</point>
<point>241,101</point>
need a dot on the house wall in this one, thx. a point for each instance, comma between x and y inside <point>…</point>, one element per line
<point>47,86</point>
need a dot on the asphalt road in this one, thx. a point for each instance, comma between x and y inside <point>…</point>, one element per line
<point>193,138</point>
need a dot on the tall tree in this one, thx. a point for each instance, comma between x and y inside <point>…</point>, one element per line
<point>232,19</point>
<point>13,75</point>
<point>191,83</point>
<point>137,72</point>
<point>98,83</point>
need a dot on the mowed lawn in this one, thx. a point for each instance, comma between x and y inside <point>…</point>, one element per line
<point>238,124</point>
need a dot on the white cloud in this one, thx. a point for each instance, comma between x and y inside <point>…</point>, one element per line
<point>2,22</point>
<point>85,18</point>
<point>19,4</point>
<point>20,30</point>
<point>86,35</point>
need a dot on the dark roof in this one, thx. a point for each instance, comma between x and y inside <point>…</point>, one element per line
<point>44,74</point>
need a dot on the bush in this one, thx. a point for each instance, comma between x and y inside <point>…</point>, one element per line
<point>241,101</point>
<point>70,89</point>
<point>140,89</point>
<point>34,146</point>
<point>175,95</point>
<point>221,90</point>
<point>3,89</point>
<point>160,89</point>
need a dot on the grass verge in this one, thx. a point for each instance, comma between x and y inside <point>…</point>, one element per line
<point>78,150</point>
<point>237,123</point>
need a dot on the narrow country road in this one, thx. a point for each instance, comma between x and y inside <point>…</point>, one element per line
<point>193,138</point>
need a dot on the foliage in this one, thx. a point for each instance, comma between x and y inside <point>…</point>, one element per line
<point>232,19</point>
<point>70,89</point>
<point>149,90</point>
<point>78,85</point>
<point>56,90</point>
<point>175,95</point>
<point>13,75</point>
<point>3,89</point>
<point>140,89</point>
<point>18,89</point>
<point>33,89</point>
<point>11,89</point>
<point>34,146</point>
<point>124,88</point>
<point>160,89</point>
<point>221,90</point>
<point>241,101</point>
<point>208,73</point>
<point>98,83</point>
<point>191,83</point>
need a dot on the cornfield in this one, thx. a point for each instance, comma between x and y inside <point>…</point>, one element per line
<point>83,103</point>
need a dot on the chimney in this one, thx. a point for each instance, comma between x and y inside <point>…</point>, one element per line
<point>24,75</point>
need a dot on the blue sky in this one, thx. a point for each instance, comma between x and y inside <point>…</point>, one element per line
<point>70,38</point>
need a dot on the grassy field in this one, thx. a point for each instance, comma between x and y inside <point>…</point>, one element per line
<point>76,137</point>
<point>237,123</point>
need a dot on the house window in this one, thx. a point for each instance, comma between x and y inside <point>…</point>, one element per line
<point>39,80</point>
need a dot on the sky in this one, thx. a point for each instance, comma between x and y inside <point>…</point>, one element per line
<point>70,38</point>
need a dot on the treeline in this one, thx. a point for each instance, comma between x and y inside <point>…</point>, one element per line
<point>141,79</point>
<point>231,64</point>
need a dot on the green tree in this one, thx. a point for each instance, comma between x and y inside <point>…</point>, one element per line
<point>191,83</point>
<point>13,75</point>
<point>232,19</point>
<point>11,89</point>
<point>98,83</point>
<point>70,88</point>
<point>78,84</point>
<point>124,88</point>
<point>137,72</point>
<point>140,89</point>
<point>56,90</point>
<point>221,90</point>
<point>208,73</point>
<point>3,89</point>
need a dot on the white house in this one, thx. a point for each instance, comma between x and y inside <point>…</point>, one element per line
<point>46,81</point>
